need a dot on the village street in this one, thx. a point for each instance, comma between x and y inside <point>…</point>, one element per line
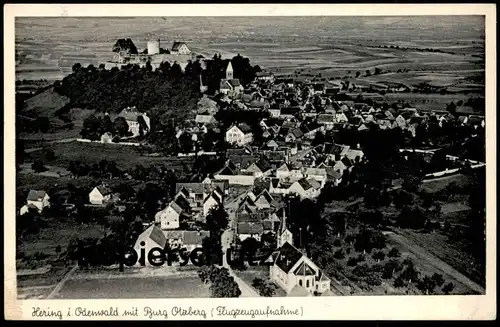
<point>227,240</point>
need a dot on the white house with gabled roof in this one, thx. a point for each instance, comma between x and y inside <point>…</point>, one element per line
<point>240,134</point>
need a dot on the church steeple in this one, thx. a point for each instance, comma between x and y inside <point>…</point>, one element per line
<point>284,235</point>
<point>229,71</point>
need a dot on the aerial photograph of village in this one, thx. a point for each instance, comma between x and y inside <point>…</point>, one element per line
<point>218,157</point>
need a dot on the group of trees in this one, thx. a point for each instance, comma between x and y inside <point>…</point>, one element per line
<point>216,222</point>
<point>222,285</point>
<point>94,126</point>
<point>264,288</point>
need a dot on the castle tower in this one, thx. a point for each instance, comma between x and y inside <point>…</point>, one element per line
<point>229,71</point>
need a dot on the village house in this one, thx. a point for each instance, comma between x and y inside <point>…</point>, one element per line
<point>335,152</point>
<point>180,48</point>
<point>289,112</point>
<point>36,200</point>
<point>205,119</point>
<point>107,138</point>
<point>318,88</point>
<point>319,174</point>
<point>213,200</point>
<point>100,194</point>
<point>259,168</point>
<point>327,120</point>
<point>274,112</point>
<point>135,120</point>
<point>301,187</point>
<point>294,135</point>
<point>169,218</point>
<point>264,76</point>
<point>196,193</point>
<point>253,224</point>
<point>235,177</point>
<point>340,117</point>
<point>354,154</point>
<point>154,237</point>
<point>292,270</point>
<point>287,171</point>
<point>185,239</point>
<point>240,134</point>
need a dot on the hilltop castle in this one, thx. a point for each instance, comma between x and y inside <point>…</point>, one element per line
<point>127,53</point>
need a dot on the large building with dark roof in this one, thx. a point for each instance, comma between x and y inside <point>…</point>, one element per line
<point>291,269</point>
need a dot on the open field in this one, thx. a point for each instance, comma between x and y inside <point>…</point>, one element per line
<point>58,232</point>
<point>126,157</point>
<point>438,184</point>
<point>134,287</point>
<point>282,44</point>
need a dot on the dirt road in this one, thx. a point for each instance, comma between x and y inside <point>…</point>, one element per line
<point>60,285</point>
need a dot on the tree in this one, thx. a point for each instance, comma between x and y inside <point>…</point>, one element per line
<point>427,285</point>
<point>412,183</point>
<point>222,284</point>
<point>319,138</point>
<point>378,255</point>
<point>409,273</point>
<point>378,71</point>
<point>362,270</point>
<point>438,279</point>
<point>76,67</point>
<point>217,220</point>
<point>394,253</point>
<point>368,73</point>
<point>399,282</point>
<point>390,268</point>
<point>38,166</point>
<point>265,289</point>
<point>121,127</point>
<point>352,261</point>
<point>451,108</point>
<point>49,154</point>
<point>212,250</point>
<point>357,74</point>
<point>448,288</point>
<point>339,254</point>
<point>373,280</point>
<point>249,247</point>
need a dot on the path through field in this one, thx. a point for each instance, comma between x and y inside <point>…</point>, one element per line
<point>60,285</point>
<point>435,262</point>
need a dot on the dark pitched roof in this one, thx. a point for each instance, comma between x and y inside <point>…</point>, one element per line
<point>195,237</point>
<point>125,45</point>
<point>305,184</point>
<point>104,190</point>
<point>34,195</point>
<point>177,45</point>
<point>250,228</point>
<point>288,256</point>
<point>297,132</point>
<point>289,110</point>
<point>234,82</point>
<point>318,87</point>
<point>245,128</point>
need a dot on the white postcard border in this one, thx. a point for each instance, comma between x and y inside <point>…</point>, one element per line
<point>481,307</point>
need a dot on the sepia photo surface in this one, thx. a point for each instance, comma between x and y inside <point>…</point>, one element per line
<point>267,158</point>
